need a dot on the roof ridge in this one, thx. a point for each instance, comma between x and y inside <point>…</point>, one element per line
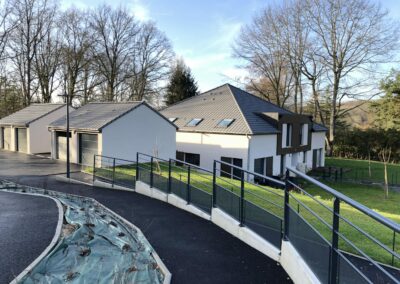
<point>261,99</point>
<point>116,103</point>
<point>240,109</point>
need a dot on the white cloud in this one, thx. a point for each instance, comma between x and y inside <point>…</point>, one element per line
<point>140,10</point>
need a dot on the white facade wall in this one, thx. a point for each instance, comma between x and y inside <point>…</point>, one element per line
<point>38,135</point>
<point>262,146</point>
<point>141,130</point>
<point>317,142</point>
<point>213,146</point>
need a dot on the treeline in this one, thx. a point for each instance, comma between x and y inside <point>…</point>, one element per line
<point>368,144</point>
<point>102,53</point>
<point>312,55</point>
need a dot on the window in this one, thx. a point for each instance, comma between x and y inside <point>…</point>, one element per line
<point>226,122</point>
<point>263,166</point>
<point>303,134</point>
<point>289,135</point>
<point>305,157</point>
<point>231,172</point>
<point>172,119</point>
<point>194,122</point>
<point>189,158</point>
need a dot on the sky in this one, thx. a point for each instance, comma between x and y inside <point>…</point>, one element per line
<point>202,31</point>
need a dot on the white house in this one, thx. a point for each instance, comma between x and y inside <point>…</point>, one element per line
<point>26,130</point>
<point>117,130</point>
<point>229,124</point>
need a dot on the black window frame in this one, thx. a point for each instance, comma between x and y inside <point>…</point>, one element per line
<point>289,134</point>
<point>190,158</point>
<point>231,172</point>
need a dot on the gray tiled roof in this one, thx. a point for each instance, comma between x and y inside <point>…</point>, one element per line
<point>319,127</point>
<point>94,116</point>
<point>29,114</point>
<point>222,102</point>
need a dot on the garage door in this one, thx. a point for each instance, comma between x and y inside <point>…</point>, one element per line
<point>22,142</point>
<point>87,148</point>
<point>62,145</point>
<point>7,138</point>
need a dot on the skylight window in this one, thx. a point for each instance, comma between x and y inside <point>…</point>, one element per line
<point>172,119</point>
<point>226,122</point>
<point>194,122</point>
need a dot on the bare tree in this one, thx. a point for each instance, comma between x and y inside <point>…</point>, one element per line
<point>384,156</point>
<point>352,36</point>
<point>150,63</point>
<point>47,60</point>
<point>30,18</point>
<point>76,51</point>
<point>114,32</point>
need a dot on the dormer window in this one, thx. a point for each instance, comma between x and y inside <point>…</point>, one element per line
<point>226,122</point>
<point>194,122</point>
<point>172,119</point>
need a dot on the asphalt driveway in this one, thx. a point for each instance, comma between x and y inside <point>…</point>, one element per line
<point>27,226</point>
<point>193,249</point>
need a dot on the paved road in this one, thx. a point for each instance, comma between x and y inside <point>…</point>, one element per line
<point>195,250</point>
<point>27,226</point>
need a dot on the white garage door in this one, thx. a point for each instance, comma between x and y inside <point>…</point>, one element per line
<point>22,141</point>
<point>62,145</point>
<point>7,138</point>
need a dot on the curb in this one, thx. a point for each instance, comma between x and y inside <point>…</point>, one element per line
<point>53,242</point>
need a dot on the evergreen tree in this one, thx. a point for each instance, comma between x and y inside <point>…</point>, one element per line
<point>387,109</point>
<point>181,85</point>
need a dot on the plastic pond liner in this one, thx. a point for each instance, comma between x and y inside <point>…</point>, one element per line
<point>95,246</point>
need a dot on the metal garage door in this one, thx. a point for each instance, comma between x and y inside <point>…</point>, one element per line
<point>62,145</point>
<point>87,148</point>
<point>22,141</point>
<point>7,138</point>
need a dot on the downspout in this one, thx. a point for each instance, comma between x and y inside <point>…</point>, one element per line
<point>248,151</point>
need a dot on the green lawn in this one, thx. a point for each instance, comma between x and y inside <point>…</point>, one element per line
<point>262,196</point>
<point>358,169</point>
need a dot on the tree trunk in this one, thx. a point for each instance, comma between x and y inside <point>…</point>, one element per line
<point>386,181</point>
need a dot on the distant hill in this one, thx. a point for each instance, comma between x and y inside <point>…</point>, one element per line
<point>360,117</point>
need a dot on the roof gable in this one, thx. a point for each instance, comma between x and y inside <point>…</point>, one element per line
<point>225,102</point>
<point>95,116</point>
<point>31,113</point>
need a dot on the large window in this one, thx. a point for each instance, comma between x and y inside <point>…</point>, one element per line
<point>189,158</point>
<point>263,166</point>
<point>231,172</point>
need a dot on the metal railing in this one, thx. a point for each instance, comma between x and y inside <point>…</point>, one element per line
<point>276,210</point>
<point>114,171</point>
<point>244,196</point>
<point>328,245</point>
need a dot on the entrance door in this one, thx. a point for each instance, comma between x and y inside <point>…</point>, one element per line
<point>22,141</point>
<point>314,158</point>
<point>7,138</point>
<point>88,147</point>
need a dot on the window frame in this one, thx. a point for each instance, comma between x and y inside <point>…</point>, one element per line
<point>231,120</point>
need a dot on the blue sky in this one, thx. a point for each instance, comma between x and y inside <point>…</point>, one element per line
<point>202,31</point>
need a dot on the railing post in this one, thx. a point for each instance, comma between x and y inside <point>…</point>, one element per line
<point>286,208</point>
<point>151,172</point>
<point>169,176</point>
<point>188,186</point>
<point>113,174</point>
<point>94,168</point>
<point>335,241</point>
<point>137,165</point>
<point>214,188</point>
<point>241,212</point>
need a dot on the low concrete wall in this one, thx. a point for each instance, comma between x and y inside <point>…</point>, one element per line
<point>295,266</point>
<point>182,204</point>
<point>152,192</point>
<point>246,235</point>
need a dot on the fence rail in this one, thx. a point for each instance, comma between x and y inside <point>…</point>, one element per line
<point>273,209</point>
